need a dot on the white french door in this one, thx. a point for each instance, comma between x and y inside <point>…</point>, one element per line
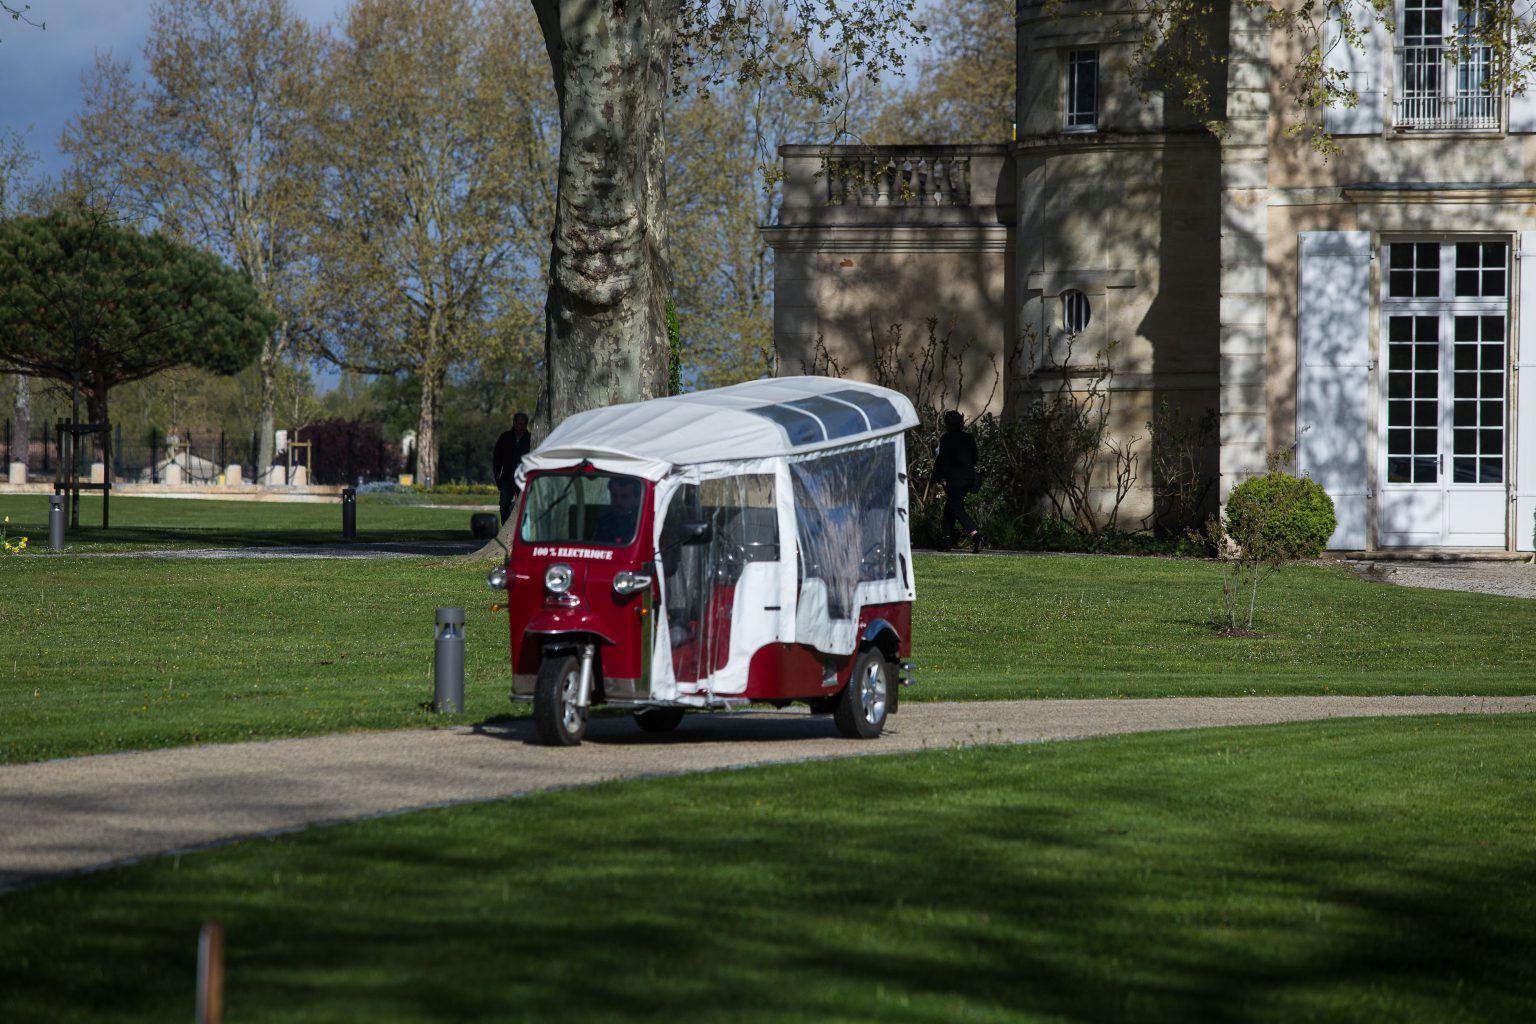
<point>1444,387</point>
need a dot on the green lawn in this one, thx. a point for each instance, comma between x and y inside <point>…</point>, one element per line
<point>197,523</point>
<point>101,654</point>
<point>1143,627</point>
<point>1341,871</point>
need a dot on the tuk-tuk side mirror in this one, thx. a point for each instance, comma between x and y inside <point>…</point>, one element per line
<point>483,525</point>
<point>697,531</point>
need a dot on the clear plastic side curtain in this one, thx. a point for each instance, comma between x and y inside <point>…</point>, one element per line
<point>703,582</point>
<point>845,521</point>
<point>838,516</point>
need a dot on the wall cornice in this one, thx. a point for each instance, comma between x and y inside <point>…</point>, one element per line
<point>918,238</point>
<point>1077,142</point>
<point>1054,282</point>
<point>804,149</point>
<point>1441,193</point>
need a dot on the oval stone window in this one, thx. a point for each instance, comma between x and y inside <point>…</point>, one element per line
<point>1075,312</point>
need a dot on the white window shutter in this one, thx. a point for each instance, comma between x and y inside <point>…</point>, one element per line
<point>1525,406</point>
<point>1366,67</point>
<point>1333,374</point>
<point>1522,110</point>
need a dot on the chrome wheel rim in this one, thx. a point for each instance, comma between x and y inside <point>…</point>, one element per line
<point>872,693</point>
<point>570,710</point>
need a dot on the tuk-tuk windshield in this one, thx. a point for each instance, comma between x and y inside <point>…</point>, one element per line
<point>584,508</point>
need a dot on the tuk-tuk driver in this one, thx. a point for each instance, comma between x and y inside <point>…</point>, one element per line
<point>616,522</point>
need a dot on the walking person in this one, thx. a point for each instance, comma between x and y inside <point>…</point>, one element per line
<point>511,446</point>
<point>955,468</point>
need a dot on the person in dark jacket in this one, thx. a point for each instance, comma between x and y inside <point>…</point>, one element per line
<point>511,446</point>
<point>955,468</point>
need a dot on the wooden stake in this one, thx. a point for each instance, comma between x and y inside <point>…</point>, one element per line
<point>210,974</point>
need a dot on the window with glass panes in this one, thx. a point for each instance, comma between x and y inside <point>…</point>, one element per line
<point>1082,107</point>
<point>1444,72</point>
<point>1447,319</point>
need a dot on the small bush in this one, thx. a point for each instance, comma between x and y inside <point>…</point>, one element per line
<point>1271,520</point>
<point>1285,517</point>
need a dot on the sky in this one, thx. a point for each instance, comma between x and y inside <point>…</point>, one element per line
<point>40,69</point>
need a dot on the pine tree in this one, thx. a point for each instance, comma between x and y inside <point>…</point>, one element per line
<point>94,305</point>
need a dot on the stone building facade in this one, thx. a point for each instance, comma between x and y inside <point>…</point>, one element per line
<point>871,238</point>
<point>1365,310</point>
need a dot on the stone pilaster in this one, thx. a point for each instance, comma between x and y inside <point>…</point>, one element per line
<point>1244,277</point>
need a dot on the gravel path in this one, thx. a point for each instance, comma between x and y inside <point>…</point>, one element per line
<point>79,814</point>
<point>1509,579</point>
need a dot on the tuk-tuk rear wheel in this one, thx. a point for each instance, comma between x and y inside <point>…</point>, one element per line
<point>864,704</point>
<point>559,719</point>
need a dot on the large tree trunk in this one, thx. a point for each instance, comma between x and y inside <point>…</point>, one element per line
<point>606,336</point>
<point>266,410</point>
<point>21,426</point>
<point>426,427</point>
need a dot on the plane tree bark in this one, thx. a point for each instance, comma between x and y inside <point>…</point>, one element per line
<point>614,63</point>
<point>606,340</point>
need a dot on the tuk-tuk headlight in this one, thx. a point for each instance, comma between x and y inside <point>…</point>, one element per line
<point>626,582</point>
<point>557,578</point>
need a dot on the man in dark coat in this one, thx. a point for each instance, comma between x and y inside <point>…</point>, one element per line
<point>511,446</point>
<point>955,468</point>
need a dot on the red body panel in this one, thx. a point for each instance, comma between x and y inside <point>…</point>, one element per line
<point>899,615</point>
<point>534,615</point>
<point>794,671</point>
<point>790,672</point>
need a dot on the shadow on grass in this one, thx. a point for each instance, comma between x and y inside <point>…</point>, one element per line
<point>1149,879</point>
<point>615,727</point>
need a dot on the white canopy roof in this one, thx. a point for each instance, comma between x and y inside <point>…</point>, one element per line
<point>758,419</point>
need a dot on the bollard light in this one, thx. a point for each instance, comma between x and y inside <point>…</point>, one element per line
<point>448,662</point>
<point>56,522</point>
<point>349,513</point>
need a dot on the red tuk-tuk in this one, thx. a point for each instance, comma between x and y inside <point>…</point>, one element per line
<point>706,551</point>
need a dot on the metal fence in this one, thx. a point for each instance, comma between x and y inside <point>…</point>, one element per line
<point>335,452</point>
<point>200,458</point>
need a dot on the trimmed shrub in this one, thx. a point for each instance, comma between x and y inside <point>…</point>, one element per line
<point>1280,517</point>
<point>1271,520</point>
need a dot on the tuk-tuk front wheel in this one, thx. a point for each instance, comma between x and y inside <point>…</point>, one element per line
<point>865,702</point>
<point>558,716</point>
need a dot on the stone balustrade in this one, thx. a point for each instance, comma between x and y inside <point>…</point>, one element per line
<point>898,176</point>
<point>913,184</point>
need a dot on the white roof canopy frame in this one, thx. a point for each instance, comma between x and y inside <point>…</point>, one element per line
<point>759,419</point>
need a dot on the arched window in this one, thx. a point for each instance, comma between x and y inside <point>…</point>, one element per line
<point>1075,312</point>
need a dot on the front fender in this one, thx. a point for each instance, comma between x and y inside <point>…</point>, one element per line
<point>569,620</point>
